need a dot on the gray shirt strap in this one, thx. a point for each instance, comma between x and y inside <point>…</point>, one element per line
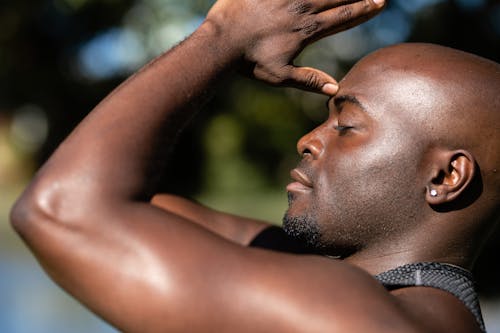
<point>450,278</point>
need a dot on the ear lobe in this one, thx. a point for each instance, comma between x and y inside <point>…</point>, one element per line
<point>454,172</point>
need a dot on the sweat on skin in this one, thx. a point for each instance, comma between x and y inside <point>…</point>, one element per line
<point>166,264</point>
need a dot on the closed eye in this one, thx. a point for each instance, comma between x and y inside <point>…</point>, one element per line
<point>343,128</point>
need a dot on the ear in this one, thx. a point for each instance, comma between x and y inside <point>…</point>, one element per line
<point>452,173</point>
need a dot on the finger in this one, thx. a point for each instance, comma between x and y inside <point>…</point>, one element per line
<point>344,17</point>
<point>310,79</point>
<point>322,5</point>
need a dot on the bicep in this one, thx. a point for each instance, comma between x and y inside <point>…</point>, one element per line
<point>138,267</point>
<point>145,270</point>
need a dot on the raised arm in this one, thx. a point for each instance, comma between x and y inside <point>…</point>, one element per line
<point>87,217</point>
<point>238,229</point>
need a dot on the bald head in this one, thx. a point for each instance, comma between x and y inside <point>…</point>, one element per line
<point>409,153</point>
<point>447,102</point>
<point>458,92</point>
<point>454,98</point>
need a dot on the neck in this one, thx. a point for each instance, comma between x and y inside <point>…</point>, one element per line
<point>391,254</point>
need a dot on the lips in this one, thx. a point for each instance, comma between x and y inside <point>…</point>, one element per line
<point>302,182</point>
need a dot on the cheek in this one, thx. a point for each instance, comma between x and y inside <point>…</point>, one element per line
<point>366,177</point>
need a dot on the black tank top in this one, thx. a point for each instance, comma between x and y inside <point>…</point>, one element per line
<point>450,278</point>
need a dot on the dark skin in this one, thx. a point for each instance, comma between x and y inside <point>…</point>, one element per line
<point>424,155</point>
<point>175,266</point>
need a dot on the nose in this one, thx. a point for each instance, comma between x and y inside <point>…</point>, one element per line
<point>311,144</point>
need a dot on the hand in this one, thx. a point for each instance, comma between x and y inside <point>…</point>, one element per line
<point>269,34</point>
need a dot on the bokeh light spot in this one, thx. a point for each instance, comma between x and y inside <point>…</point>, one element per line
<point>29,128</point>
<point>113,52</point>
<point>413,7</point>
<point>471,4</point>
<point>391,27</point>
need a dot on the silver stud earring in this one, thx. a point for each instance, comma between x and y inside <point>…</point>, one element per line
<point>434,193</point>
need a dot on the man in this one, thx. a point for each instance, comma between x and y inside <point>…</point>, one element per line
<point>403,171</point>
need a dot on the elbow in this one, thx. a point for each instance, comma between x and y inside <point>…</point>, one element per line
<point>18,215</point>
<point>64,203</point>
<point>26,214</point>
<point>36,207</point>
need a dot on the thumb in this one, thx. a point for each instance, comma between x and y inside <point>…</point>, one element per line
<point>311,79</point>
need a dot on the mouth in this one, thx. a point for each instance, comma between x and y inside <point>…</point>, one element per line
<point>301,183</point>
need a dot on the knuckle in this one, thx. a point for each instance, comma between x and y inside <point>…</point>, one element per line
<point>268,75</point>
<point>345,14</point>
<point>367,6</point>
<point>300,7</point>
<point>308,27</point>
<point>311,28</point>
<point>311,80</point>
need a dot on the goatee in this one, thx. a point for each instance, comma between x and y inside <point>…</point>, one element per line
<point>304,229</point>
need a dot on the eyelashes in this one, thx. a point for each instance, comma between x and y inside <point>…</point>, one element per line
<point>342,128</point>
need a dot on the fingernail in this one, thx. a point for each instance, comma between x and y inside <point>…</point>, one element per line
<point>379,2</point>
<point>330,89</point>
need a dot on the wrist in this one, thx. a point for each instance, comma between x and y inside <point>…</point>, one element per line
<point>218,42</point>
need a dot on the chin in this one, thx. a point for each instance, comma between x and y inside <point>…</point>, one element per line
<point>297,206</point>
<point>306,229</point>
<point>303,228</point>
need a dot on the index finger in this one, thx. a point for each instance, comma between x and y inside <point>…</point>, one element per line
<point>343,16</point>
<point>322,5</point>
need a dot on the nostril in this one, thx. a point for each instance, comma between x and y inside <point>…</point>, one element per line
<point>305,152</point>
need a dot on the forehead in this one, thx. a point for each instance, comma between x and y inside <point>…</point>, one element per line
<point>393,91</point>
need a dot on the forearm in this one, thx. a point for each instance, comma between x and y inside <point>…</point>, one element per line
<point>114,152</point>
<point>87,215</point>
<point>238,229</point>
<point>119,146</point>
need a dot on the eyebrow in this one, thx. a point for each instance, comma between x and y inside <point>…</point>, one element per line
<point>338,100</point>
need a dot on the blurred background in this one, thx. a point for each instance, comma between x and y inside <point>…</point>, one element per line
<point>58,58</point>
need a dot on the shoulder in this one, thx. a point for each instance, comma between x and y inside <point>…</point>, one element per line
<point>316,294</point>
<point>436,294</point>
<point>435,309</point>
<point>325,295</point>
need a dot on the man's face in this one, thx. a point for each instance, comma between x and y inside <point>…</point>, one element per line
<point>358,181</point>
